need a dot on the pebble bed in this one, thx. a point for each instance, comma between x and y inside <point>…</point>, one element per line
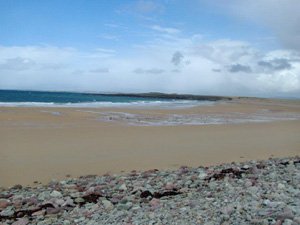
<point>254,192</point>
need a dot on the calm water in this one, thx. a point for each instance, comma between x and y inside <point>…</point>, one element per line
<point>68,99</point>
<point>64,97</point>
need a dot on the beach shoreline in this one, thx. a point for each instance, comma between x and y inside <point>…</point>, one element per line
<point>41,144</point>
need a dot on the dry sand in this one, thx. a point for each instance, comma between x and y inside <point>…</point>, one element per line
<point>37,144</point>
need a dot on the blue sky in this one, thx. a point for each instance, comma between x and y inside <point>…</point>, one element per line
<point>90,24</point>
<point>193,46</point>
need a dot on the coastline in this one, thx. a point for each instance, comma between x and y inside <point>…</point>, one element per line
<point>39,144</point>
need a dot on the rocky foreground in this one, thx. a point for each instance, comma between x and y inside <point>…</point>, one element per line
<point>255,192</point>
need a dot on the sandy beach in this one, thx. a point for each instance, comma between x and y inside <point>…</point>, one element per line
<point>40,144</point>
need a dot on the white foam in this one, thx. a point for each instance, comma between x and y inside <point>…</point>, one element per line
<point>136,104</point>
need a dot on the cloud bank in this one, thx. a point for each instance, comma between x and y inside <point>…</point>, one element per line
<point>224,67</point>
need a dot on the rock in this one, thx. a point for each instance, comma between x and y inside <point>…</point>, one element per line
<point>53,210</point>
<point>43,196</point>
<point>267,202</point>
<point>56,194</point>
<point>297,220</point>
<point>79,200</point>
<point>222,194</point>
<point>170,186</point>
<point>286,214</point>
<point>154,202</point>
<point>4,203</point>
<point>66,222</point>
<point>107,204</point>
<point>245,167</point>
<point>124,207</point>
<point>22,221</point>
<point>68,202</point>
<point>7,212</point>
<point>248,183</point>
<point>39,213</point>
<point>32,201</point>
<point>281,186</point>
<point>17,186</point>
<point>228,210</point>
<point>123,187</point>
<point>287,222</point>
<point>202,175</point>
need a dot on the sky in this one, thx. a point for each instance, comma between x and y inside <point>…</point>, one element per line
<point>224,47</point>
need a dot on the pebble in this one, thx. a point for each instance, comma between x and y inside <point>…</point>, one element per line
<point>4,203</point>
<point>154,202</point>
<point>7,212</point>
<point>123,187</point>
<point>22,221</point>
<point>56,194</point>
<point>39,213</point>
<point>107,204</point>
<point>79,200</point>
<point>254,192</point>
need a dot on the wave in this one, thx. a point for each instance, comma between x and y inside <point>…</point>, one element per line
<point>160,104</point>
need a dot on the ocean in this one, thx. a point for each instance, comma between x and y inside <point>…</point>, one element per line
<point>13,98</point>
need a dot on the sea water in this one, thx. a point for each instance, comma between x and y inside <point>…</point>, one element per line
<point>70,99</point>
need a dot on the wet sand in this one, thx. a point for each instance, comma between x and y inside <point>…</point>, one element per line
<point>40,144</point>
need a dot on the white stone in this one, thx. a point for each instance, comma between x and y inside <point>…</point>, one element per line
<point>123,187</point>
<point>107,204</point>
<point>202,175</point>
<point>56,194</point>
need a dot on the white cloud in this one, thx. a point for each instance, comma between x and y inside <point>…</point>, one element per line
<point>211,70</point>
<point>109,37</point>
<point>168,30</point>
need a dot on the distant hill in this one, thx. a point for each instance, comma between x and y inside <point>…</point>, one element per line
<point>171,96</point>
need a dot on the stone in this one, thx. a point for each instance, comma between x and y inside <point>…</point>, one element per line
<point>281,186</point>
<point>7,212</point>
<point>22,221</point>
<point>268,197</point>
<point>53,210</point>
<point>123,187</point>
<point>107,204</point>
<point>170,186</point>
<point>56,194</point>
<point>17,186</point>
<point>228,210</point>
<point>68,202</point>
<point>267,202</point>
<point>202,175</point>
<point>4,203</point>
<point>44,195</point>
<point>154,202</point>
<point>286,214</point>
<point>246,167</point>
<point>39,213</point>
<point>79,200</point>
<point>287,222</point>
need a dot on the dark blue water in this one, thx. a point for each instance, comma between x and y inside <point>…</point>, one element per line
<point>65,97</point>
